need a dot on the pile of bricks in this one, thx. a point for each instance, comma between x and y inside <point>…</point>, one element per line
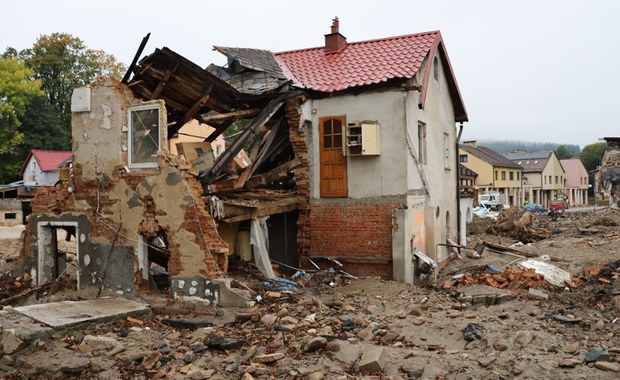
<point>511,278</point>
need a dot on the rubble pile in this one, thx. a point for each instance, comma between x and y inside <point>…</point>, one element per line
<point>511,223</point>
<point>510,278</point>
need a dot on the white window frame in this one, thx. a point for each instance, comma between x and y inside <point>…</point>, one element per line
<point>143,165</point>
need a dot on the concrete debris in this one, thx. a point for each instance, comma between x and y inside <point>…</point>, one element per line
<point>552,274</point>
<point>373,360</point>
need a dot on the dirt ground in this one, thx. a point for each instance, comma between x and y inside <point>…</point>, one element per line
<point>481,318</point>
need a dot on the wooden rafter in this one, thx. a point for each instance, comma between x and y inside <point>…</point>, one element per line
<point>196,107</point>
<point>235,115</point>
<point>164,81</point>
<point>219,129</point>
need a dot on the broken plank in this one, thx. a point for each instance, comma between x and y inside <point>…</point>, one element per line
<point>235,115</point>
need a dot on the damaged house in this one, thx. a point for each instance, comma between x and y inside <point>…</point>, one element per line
<point>346,151</point>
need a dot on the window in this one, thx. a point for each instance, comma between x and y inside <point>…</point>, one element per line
<point>463,158</point>
<point>10,216</point>
<point>518,176</point>
<point>503,175</point>
<point>556,180</point>
<point>512,176</point>
<point>446,151</point>
<point>422,142</point>
<point>550,181</point>
<point>436,68</point>
<point>144,136</point>
<point>496,175</point>
<point>545,179</point>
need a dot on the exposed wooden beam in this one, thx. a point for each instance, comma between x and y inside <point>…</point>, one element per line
<point>164,81</point>
<point>219,129</point>
<point>196,107</point>
<point>235,115</point>
<point>273,174</point>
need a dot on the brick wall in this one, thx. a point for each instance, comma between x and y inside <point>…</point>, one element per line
<point>359,232</point>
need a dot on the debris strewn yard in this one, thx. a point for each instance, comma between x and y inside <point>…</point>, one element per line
<point>487,315</point>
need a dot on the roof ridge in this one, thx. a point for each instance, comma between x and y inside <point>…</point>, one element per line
<point>363,42</point>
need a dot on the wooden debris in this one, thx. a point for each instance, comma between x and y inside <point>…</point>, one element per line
<point>520,227</point>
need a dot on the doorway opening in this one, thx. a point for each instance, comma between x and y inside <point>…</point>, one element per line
<point>153,257</point>
<point>59,257</point>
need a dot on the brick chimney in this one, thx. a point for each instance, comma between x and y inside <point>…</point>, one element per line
<point>335,42</point>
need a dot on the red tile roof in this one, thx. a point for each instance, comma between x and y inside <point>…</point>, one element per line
<point>359,64</point>
<point>48,160</point>
<point>367,63</point>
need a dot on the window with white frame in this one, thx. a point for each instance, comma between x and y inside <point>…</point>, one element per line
<point>144,135</point>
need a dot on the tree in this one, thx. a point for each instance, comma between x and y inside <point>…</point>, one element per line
<point>16,90</point>
<point>592,155</point>
<point>62,63</point>
<point>562,152</point>
<point>42,129</point>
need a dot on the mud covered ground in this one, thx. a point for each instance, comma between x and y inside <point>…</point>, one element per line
<point>336,328</point>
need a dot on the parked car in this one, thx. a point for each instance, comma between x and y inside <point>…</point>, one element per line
<point>536,208</point>
<point>557,206</point>
<point>561,197</point>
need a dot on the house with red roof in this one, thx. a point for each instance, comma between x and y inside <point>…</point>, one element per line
<point>347,156</point>
<point>381,121</point>
<point>42,166</point>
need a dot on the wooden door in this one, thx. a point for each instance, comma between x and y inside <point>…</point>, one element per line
<point>333,163</point>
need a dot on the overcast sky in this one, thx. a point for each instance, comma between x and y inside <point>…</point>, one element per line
<point>529,70</point>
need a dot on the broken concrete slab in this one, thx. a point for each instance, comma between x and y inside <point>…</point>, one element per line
<point>484,295</point>
<point>68,313</point>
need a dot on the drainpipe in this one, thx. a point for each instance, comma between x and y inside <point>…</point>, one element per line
<point>458,196</point>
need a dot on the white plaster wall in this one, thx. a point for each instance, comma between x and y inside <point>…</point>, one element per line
<point>438,115</point>
<point>368,176</point>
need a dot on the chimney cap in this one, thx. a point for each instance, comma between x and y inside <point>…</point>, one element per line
<point>335,25</point>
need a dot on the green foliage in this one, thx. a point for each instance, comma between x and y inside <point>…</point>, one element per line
<point>16,90</point>
<point>62,63</point>
<point>592,155</point>
<point>562,152</point>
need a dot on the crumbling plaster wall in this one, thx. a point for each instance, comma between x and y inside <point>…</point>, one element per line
<point>136,202</point>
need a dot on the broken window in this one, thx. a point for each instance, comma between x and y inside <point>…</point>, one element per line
<point>144,136</point>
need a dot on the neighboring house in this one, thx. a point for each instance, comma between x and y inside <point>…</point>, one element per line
<point>543,175</point>
<point>351,154</point>
<point>42,166</point>
<point>194,131</point>
<point>11,213</point>
<point>468,200</point>
<point>495,172</point>
<point>380,125</point>
<point>576,181</point>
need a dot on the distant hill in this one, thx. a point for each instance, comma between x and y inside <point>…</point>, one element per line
<point>505,146</point>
